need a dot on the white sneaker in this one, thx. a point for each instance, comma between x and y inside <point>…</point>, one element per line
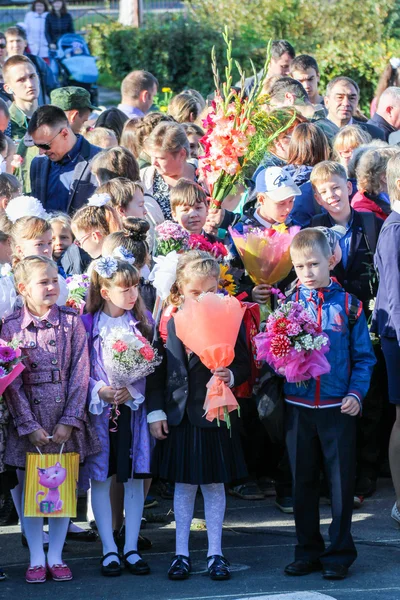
<point>395,513</point>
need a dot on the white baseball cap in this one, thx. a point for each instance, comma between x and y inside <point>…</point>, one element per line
<point>277,183</point>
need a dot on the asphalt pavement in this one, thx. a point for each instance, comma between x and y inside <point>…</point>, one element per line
<point>258,540</point>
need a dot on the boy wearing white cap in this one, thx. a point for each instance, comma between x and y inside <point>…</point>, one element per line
<point>276,192</point>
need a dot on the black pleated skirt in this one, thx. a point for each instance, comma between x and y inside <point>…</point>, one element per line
<point>200,456</point>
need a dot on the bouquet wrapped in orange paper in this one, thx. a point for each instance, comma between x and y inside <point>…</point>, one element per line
<point>265,252</point>
<point>209,327</point>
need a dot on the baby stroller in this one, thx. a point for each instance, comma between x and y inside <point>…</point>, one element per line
<point>75,64</point>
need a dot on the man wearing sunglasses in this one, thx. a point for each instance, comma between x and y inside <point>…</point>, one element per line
<point>61,178</point>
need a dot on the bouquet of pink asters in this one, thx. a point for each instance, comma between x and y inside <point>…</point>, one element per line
<point>293,344</point>
<point>78,286</point>
<point>10,364</point>
<point>199,242</point>
<point>238,129</point>
<point>128,357</point>
<point>170,236</point>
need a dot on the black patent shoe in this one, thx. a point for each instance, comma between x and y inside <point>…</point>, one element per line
<point>138,568</point>
<point>334,572</point>
<point>113,569</point>
<point>180,567</point>
<point>219,568</point>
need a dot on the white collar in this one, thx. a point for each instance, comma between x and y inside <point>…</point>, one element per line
<point>396,206</point>
<point>262,221</point>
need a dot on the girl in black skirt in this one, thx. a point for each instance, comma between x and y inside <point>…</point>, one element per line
<point>192,451</point>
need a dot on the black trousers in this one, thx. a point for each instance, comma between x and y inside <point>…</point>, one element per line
<point>325,438</point>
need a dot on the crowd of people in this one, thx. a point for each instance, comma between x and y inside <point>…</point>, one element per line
<point>83,190</point>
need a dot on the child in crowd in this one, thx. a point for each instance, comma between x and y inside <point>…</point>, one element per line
<point>276,192</point>
<point>102,137</point>
<point>47,335</point>
<point>194,134</point>
<point>189,206</point>
<point>5,248</point>
<point>371,182</point>
<point>355,272</point>
<point>115,162</point>
<point>92,223</point>
<point>346,141</point>
<point>114,301</point>
<point>327,436</point>
<point>133,237</point>
<point>10,187</point>
<point>68,256</point>
<point>127,197</point>
<point>192,451</point>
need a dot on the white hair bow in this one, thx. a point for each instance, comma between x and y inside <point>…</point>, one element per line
<point>99,200</point>
<point>25,206</point>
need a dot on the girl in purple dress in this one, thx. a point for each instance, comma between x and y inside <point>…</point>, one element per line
<point>114,302</point>
<point>47,402</point>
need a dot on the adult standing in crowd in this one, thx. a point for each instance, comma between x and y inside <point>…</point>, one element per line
<point>22,83</point>
<point>62,179</point>
<point>387,116</point>
<point>389,78</point>
<point>304,68</point>
<point>75,102</point>
<point>386,317</point>
<point>58,22</point>
<point>138,89</point>
<point>34,24</point>
<point>16,45</point>
<point>169,150</point>
<point>282,55</point>
<point>341,101</point>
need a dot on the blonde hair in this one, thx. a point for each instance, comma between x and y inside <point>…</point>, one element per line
<point>184,107</point>
<point>392,177</point>
<point>371,167</point>
<point>26,228</point>
<point>104,219</point>
<point>187,192</point>
<point>24,269</point>
<point>325,170</point>
<point>121,190</point>
<point>351,136</point>
<point>195,263</point>
<point>310,239</point>
<point>100,136</point>
<point>168,137</point>
<point>62,218</point>
<point>126,275</point>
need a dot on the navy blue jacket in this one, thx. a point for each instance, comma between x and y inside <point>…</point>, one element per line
<point>383,125</point>
<point>386,317</point>
<point>84,183</point>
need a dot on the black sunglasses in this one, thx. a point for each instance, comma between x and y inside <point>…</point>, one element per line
<point>48,146</point>
<point>2,46</point>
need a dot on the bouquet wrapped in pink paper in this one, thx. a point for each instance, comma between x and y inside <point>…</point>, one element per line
<point>217,319</point>
<point>293,344</point>
<point>10,365</point>
<point>265,252</point>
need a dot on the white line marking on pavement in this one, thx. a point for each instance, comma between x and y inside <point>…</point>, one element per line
<point>293,596</point>
<point>249,596</point>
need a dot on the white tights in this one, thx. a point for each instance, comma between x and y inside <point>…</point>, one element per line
<point>133,503</point>
<point>214,508</point>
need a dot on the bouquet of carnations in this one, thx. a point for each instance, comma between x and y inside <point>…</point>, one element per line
<point>10,364</point>
<point>78,286</point>
<point>218,319</point>
<point>265,252</point>
<point>199,242</point>
<point>128,357</point>
<point>170,237</point>
<point>239,129</point>
<point>293,344</point>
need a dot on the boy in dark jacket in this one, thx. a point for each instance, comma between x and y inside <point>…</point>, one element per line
<point>320,423</point>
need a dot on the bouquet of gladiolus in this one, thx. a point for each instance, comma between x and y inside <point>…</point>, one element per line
<point>199,242</point>
<point>170,237</point>
<point>265,252</point>
<point>128,357</point>
<point>78,286</point>
<point>293,344</point>
<point>217,319</point>
<point>10,364</point>
<point>238,129</point>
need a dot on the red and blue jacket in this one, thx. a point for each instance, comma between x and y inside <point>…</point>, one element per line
<point>350,355</point>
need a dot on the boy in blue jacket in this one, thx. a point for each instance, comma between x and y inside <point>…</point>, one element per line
<point>320,415</point>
